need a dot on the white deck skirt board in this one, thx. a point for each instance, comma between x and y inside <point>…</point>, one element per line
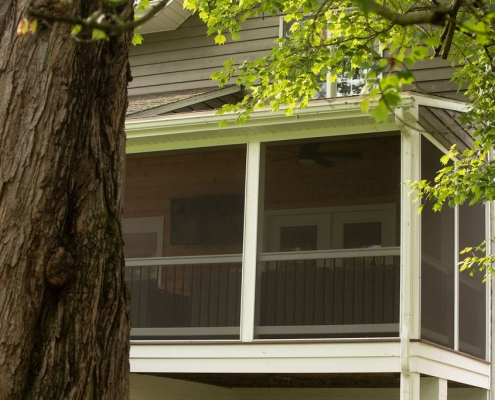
<point>443,363</point>
<point>267,358</point>
<point>306,357</point>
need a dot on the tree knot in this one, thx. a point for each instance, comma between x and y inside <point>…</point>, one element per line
<point>59,268</point>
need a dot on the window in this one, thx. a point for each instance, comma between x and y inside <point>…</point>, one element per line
<point>143,237</point>
<point>347,84</point>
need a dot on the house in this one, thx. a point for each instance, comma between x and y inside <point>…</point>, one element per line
<point>284,258</point>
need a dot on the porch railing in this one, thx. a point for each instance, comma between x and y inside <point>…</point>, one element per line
<point>334,293</point>
<point>185,297</point>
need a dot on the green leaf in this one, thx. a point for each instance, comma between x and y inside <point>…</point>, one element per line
<point>432,41</point>
<point>98,34</point>
<point>75,30</point>
<point>365,105</point>
<point>445,159</point>
<point>220,39</point>
<point>137,39</point>
<point>380,113</point>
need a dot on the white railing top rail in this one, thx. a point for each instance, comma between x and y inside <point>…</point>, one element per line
<point>330,254</point>
<point>184,260</point>
<point>278,256</point>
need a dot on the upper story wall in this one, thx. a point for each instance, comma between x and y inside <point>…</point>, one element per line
<point>186,58</point>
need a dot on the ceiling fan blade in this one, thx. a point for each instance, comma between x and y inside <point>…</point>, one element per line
<point>283,159</point>
<point>342,154</point>
<point>324,162</point>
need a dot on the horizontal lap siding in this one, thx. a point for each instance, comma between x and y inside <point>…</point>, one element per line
<point>187,57</point>
<point>434,77</point>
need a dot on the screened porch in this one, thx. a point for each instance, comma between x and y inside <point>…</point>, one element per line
<point>327,264</point>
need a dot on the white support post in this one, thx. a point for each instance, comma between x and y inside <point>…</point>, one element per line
<point>433,388</point>
<point>456,279</point>
<point>491,303</point>
<point>410,386</point>
<point>250,248</point>
<point>410,258</point>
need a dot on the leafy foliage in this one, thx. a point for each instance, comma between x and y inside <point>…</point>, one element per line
<point>332,38</point>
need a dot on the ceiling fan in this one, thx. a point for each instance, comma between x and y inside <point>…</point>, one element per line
<point>309,154</point>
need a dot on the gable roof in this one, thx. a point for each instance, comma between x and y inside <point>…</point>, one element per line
<point>153,105</point>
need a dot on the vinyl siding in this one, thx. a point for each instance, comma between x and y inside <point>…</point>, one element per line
<point>186,58</point>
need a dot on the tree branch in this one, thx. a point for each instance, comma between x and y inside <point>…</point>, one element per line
<point>111,28</point>
<point>434,16</point>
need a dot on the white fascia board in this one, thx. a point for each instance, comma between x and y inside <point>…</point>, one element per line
<point>327,357</point>
<point>447,364</point>
<point>315,111</point>
<point>198,129</point>
<point>440,102</point>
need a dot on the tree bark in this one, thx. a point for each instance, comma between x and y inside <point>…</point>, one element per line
<point>64,323</point>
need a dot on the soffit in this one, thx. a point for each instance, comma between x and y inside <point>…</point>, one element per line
<point>446,126</point>
<point>322,118</point>
<point>168,19</point>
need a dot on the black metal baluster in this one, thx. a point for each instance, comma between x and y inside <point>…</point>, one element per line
<point>172,309</point>
<point>314,292</point>
<point>191,294</point>
<point>229,268</point>
<point>286,298</point>
<point>304,292</point>
<point>343,290</point>
<point>208,311</point>
<point>384,282</point>
<point>183,297</point>
<point>334,295</point>
<point>218,295</point>
<point>276,295</point>
<point>295,295</point>
<point>324,294</point>
<point>200,293</point>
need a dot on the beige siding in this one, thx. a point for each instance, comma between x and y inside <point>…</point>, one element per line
<point>186,58</point>
<point>434,77</point>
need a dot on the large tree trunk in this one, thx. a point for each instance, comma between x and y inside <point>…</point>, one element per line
<point>64,322</point>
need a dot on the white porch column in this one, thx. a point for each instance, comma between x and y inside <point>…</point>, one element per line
<point>433,388</point>
<point>410,257</point>
<point>250,249</point>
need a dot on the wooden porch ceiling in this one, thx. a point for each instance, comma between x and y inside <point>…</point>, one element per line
<point>446,126</point>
